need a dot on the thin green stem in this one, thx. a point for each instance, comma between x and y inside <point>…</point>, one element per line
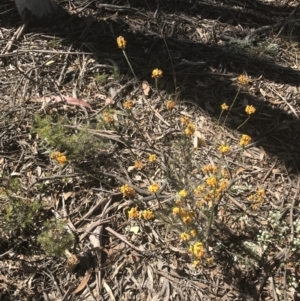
<point>128,62</point>
<point>220,116</point>
<point>232,105</point>
<point>139,130</point>
<point>211,217</point>
<point>243,123</point>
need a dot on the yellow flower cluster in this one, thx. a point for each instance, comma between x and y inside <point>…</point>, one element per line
<point>170,104</point>
<point>128,191</point>
<point>157,73</point>
<point>243,79</point>
<point>199,189</point>
<point>193,232</point>
<point>211,181</point>
<point>185,120</point>
<point>215,184</point>
<point>152,158</point>
<point>183,193</point>
<point>223,184</point>
<point>138,165</point>
<point>250,110</point>
<point>121,42</point>
<point>108,118</point>
<point>209,169</point>
<point>147,214</point>
<point>134,213</point>
<point>245,140</point>
<point>176,210</point>
<point>185,236</point>
<point>59,157</point>
<point>153,188</point>
<point>197,250</point>
<point>190,129</point>
<point>186,216</point>
<point>257,199</point>
<point>224,148</point>
<point>128,104</point>
<point>224,107</point>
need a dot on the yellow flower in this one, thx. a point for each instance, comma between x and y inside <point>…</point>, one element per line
<point>214,194</point>
<point>209,169</point>
<point>152,158</point>
<point>185,236</point>
<point>133,213</point>
<point>176,210</point>
<point>199,189</point>
<point>147,214</point>
<point>157,73</point>
<point>197,250</point>
<point>212,181</point>
<point>153,188</point>
<point>190,129</point>
<point>250,110</point>
<point>185,120</point>
<point>245,140</point>
<point>138,165</point>
<point>127,191</point>
<point>121,42</point>
<point>257,199</point>
<point>224,107</point>
<point>224,148</point>
<point>128,105</point>
<point>193,232</point>
<point>223,184</point>
<point>108,118</point>
<point>196,263</point>
<point>170,104</point>
<point>187,217</point>
<point>260,193</point>
<point>183,193</point>
<point>243,79</point>
<point>55,155</point>
<point>59,157</point>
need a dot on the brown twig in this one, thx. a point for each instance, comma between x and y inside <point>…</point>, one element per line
<point>121,237</point>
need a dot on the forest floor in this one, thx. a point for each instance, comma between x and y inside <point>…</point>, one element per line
<point>88,140</point>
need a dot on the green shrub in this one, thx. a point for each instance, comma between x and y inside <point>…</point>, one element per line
<point>19,213</point>
<point>55,130</point>
<point>56,238</point>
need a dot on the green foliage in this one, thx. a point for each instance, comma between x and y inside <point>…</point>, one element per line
<point>100,78</point>
<point>19,214</point>
<point>54,131</point>
<point>55,43</point>
<point>116,69</point>
<point>14,184</point>
<point>56,238</point>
